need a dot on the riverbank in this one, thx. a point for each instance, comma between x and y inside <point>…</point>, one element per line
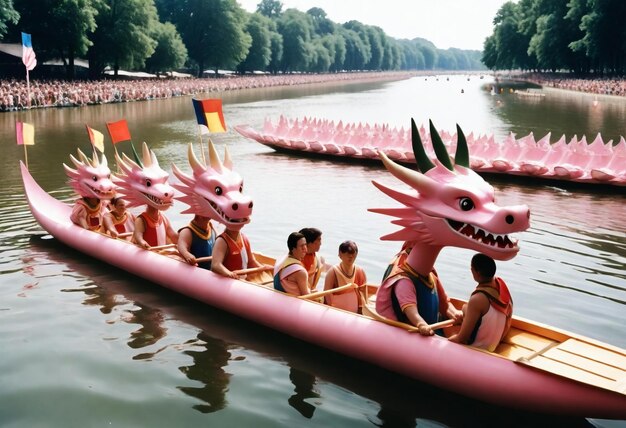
<point>600,86</point>
<point>14,94</point>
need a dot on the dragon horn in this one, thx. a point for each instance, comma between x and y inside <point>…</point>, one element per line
<point>461,157</point>
<point>103,162</point>
<point>417,180</point>
<point>440,149</point>
<point>83,158</point>
<point>214,159</point>
<point>423,162</point>
<point>197,166</point>
<point>95,162</point>
<point>75,161</point>
<point>228,162</point>
<point>146,156</point>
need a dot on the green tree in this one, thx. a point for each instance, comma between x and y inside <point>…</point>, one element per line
<point>7,15</point>
<point>170,52</point>
<point>375,36</point>
<point>61,28</point>
<point>364,46</point>
<point>259,56</point>
<point>123,35</point>
<point>270,8</point>
<point>321,24</point>
<point>296,28</point>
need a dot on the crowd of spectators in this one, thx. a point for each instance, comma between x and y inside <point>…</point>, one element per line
<point>604,86</point>
<point>57,93</point>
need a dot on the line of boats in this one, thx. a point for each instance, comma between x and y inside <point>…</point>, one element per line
<point>577,160</point>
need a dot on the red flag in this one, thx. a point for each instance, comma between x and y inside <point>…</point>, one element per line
<point>118,131</point>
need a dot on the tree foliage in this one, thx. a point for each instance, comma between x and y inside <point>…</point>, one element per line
<point>582,36</point>
<point>8,15</point>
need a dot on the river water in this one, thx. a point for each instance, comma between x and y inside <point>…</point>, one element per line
<point>82,344</point>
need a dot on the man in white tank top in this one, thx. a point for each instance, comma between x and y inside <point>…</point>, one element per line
<point>488,312</point>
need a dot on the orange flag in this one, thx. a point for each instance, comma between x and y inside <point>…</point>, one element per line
<point>118,131</point>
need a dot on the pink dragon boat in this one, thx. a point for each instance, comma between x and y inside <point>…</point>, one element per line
<point>536,367</point>
<point>598,162</point>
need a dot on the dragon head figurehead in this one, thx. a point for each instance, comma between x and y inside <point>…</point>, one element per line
<point>214,191</point>
<point>450,205</point>
<point>91,178</point>
<point>144,185</point>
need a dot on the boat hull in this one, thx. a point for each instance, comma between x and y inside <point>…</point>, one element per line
<point>434,360</point>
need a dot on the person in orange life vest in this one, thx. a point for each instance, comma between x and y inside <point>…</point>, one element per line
<point>87,213</point>
<point>197,240</point>
<point>487,314</point>
<point>345,273</point>
<point>290,276</point>
<point>153,229</point>
<point>118,219</point>
<point>232,252</point>
<point>313,263</point>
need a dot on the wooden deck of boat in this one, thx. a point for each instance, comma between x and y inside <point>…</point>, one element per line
<point>579,359</point>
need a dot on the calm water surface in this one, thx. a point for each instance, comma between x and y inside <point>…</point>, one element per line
<point>82,344</point>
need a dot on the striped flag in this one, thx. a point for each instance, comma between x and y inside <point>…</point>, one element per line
<point>96,138</point>
<point>118,131</point>
<point>209,115</point>
<point>25,134</point>
<point>28,54</point>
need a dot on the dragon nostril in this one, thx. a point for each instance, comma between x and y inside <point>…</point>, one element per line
<point>250,206</point>
<point>528,214</point>
<point>235,207</point>
<point>166,195</point>
<point>509,219</point>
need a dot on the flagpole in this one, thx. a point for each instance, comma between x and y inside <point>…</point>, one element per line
<point>26,156</point>
<point>201,146</point>
<point>27,88</point>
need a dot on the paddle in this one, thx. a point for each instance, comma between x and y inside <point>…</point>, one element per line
<point>252,270</point>
<point>204,259</point>
<point>161,247</point>
<point>326,292</point>
<point>124,235</point>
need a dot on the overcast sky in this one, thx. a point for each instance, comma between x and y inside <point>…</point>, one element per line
<point>462,24</point>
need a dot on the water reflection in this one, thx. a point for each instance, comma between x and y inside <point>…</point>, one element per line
<point>208,369</point>
<point>304,383</point>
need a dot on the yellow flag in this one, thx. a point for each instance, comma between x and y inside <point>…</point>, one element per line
<point>96,138</point>
<point>28,134</point>
<point>214,123</point>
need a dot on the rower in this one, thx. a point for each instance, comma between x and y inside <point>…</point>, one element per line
<point>290,275</point>
<point>313,263</point>
<point>118,220</point>
<point>346,272</point>
<point>232,252</point>
<point>487,314</point>
<point>197,241</point>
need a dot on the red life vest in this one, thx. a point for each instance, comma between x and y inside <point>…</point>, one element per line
<point>150,233</point>
<point>232,259</point>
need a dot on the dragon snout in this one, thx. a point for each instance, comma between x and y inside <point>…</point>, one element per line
<point>235,206</point>
<point>515,217</point>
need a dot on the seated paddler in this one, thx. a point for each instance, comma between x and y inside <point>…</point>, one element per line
<point>216,191</point>
<point>118,220</point>
<point>487,314</point>
<point>91,180</point>
<point>344,273</point>
<point>146,183</point>
<point>290,275</point>
<point>196,241</point>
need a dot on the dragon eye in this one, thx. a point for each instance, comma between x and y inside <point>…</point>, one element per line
<point>466,204</point>
<point>94,178</point>
<point>218,190</point>
<point>148,183</point>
